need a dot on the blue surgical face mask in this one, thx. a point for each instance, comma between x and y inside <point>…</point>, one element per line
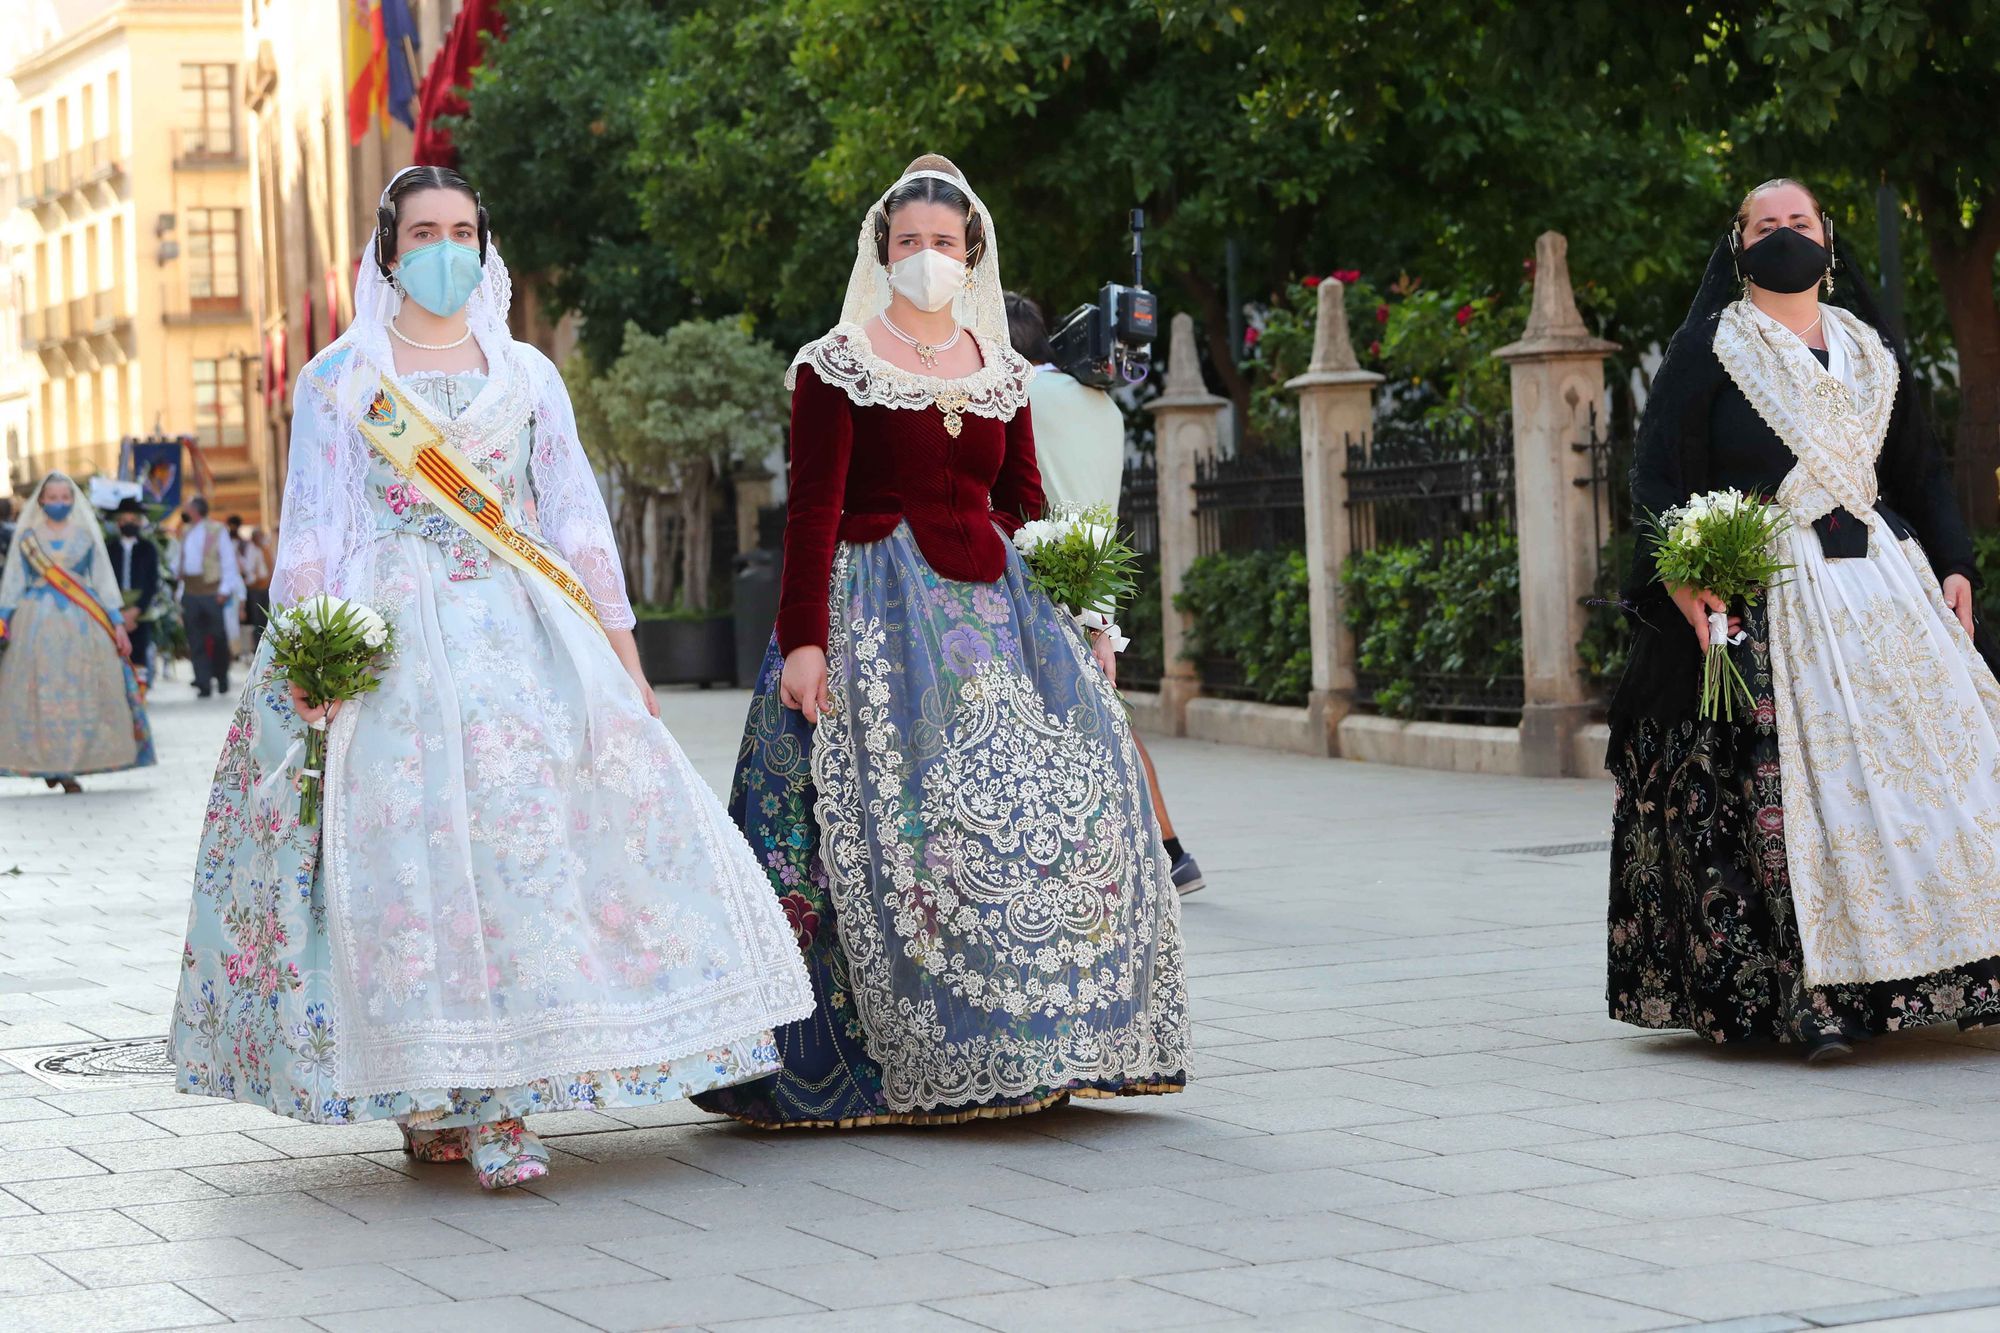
<point>58,510</point>
<point>441,276</point>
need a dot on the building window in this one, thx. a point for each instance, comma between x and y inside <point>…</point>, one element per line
<point>208,111</point>
<point>215,277</point>
<point>218,403</point>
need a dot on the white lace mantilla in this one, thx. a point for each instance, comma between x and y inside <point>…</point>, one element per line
<point>844,359</point>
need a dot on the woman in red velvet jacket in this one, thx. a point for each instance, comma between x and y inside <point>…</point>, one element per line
<point>940,780</point>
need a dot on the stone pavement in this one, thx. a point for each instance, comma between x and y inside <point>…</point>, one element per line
<point>1410,1114</point>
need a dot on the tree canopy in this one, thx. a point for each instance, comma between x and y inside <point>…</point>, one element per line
<point>679,157</point>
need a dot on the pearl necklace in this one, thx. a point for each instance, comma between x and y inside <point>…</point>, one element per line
<point>408,341</point>
<point>927,353</point>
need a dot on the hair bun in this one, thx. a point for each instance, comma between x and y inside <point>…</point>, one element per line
<point>935,162</point>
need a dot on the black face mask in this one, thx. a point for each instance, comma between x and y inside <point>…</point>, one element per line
<point>1785,261</point>
<point>128,529</point>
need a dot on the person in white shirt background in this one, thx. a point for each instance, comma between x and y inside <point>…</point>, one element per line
<point>1080,447</point>
<point>247,625</point>
<point>210,580</point>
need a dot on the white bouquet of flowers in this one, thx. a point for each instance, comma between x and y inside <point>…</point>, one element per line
<point>1724,542</point>
<point>1078,559</point>
<point>331,650</point>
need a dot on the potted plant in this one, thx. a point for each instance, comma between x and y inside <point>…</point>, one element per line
<point>678,411</point>
<point>679,645</point>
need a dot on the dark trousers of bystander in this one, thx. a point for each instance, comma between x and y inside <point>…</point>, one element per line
<point>208,641</point>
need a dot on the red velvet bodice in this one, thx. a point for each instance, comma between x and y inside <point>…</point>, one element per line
<point>856,471</point>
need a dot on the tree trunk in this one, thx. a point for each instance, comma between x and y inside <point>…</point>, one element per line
<point>697,534</point>
<point>660,549</point>
<point>1963,261</point>
<point>631,530</point>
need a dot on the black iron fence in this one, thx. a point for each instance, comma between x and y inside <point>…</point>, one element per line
<point>1418,482</point>
<point>1606,642</point>
<point>1249,502</point>
<point>1143,662</point>
<point>1433,574</point>
<point>1245,503</point>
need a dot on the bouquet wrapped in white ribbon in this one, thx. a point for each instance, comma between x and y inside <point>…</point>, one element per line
<point>331,650</point>
<point>1725,542</point>
<point>1078,559</point>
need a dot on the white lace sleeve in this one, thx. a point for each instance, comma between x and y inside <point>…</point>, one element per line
<point>323,520</point>
<point>568,502</point>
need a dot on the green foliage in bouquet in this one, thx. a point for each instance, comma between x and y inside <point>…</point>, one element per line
<point>1726,543</point>
<point>1079,560</point>
<point>330,650</point>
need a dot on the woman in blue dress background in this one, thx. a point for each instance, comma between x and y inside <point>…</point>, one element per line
<point>69,703</point>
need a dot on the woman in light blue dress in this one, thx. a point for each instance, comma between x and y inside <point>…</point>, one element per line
<point>520,896</point>
<point>69,703</point>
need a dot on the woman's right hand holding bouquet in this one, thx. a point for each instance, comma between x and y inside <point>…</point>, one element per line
<point>1696,604</point>
<point>328,651</point>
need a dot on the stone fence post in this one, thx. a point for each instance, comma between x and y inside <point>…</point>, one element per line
<point>1336,404</point>
<point>1186,427</point>
<point>1558,377</point>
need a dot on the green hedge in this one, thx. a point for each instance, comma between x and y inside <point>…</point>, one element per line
<point>1251,607</point>
<point>1440,608</point>
<point>1144,659</point>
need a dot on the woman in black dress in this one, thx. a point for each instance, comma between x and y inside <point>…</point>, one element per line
<point>1826,867</point>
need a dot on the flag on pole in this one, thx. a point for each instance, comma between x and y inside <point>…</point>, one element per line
<point>399,32</point>
<point>479,24</point>
<point>367,67</point>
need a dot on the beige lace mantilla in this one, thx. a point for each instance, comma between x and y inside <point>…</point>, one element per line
<point>844,359</point>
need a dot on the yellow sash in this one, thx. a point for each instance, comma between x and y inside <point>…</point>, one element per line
<point>64,582</point>
<point>418,450</point>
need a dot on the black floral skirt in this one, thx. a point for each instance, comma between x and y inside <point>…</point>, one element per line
<point>1703,934</point>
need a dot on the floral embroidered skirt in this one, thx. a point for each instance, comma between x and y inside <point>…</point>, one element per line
<point>967,851</point>
<point>1703,933</point>
<point>522,897</point>
<point>68,704</point>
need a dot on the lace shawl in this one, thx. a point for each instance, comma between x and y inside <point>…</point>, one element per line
<point>844,360</point>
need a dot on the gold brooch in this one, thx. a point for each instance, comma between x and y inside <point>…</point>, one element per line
<point>952,403</point>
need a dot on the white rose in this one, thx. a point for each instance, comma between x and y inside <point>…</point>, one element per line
<point>375,636</point>
<point>1036,533</point>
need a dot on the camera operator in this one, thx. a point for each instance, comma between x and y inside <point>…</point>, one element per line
<point>1080,445</point>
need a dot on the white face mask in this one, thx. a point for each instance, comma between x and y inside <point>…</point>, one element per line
<point>927,279</point>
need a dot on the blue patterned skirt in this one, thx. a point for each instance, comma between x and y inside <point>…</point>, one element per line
<point>967,852</point>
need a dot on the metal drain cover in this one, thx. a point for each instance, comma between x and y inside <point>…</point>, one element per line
<point>104,1064</point>
<point>1559,849</point>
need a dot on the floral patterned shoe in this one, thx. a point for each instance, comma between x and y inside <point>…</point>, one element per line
<point>437,1145</point>
<point>505,1153</point>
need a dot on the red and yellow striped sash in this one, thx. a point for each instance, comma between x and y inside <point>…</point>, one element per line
<point>64,582</point>
<point>418,450</point>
